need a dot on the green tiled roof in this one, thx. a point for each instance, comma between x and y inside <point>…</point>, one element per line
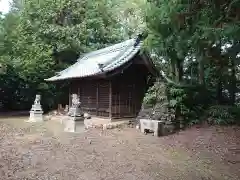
<point>101,61</point>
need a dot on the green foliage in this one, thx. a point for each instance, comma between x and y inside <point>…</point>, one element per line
<point>156,93</point>
<point>181,98</point>
<point>33,29</point>
<point>130,15</point>
<point>223,115</point>
<point>190,38</point>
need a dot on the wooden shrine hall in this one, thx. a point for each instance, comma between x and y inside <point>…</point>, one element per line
<point>110,82</point>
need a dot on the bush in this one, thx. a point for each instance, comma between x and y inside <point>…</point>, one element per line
<point>223,115</point>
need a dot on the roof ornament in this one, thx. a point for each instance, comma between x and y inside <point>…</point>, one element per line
<point>54,51</point>
<point>140,37</point>
<point>57,73</point>
<point>100,66</point>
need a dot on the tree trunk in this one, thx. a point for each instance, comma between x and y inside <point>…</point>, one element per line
<point>233,82</point>
<point>172,69</point>
<point>179,71</point>
<point>178,78</point>
<point>232,89</point>
<point>219,91</point>
<point>220,83</point>
<point>201,70</point>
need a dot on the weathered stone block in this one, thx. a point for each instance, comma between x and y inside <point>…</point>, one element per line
<point>168,128</point>
<point>152,125</point>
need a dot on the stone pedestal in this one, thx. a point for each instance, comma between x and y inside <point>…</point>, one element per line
<point>36,116</point>
<point>36,113</point>
<point>74,124</point>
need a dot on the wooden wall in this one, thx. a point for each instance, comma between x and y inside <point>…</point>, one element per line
<point>93,94</point>
<point>128,91</point>
<point>115,97</point>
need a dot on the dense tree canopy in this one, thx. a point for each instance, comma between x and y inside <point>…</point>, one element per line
<point>200,43</point>
<point>40,37</point>
<point>196,44</point>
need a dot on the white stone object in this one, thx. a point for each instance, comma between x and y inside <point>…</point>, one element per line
<point>36,113</point>
<point>74,122</point>
<point>75,109</point>
<point>86,116</point>
<point>71,125</point>
<point>88,123</point>
<point>152,125</point>
<point>104,126</point>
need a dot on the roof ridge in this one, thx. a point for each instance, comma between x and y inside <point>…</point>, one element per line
<point>136,44</point>
<point>119,55</point>
<point>109,48</point>
<point>123,56</point>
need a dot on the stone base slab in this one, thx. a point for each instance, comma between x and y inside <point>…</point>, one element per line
<point>104,123</point>
<point>71,125</point>
<point>95,122</point>
<point>35,116</point>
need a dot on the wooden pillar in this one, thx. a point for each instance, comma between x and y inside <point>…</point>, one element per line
<point>69,97</point>
<point>119,103</point>
<point>110,99</point>
<point>78,93</point>
<point>97,95</point>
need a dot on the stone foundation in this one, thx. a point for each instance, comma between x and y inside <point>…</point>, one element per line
<point>96,122</point>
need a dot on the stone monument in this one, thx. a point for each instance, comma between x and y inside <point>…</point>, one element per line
<point>155,126</point>
<point>75,116</point>
<point>36,113</point>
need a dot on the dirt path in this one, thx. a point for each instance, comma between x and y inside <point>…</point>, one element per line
<point>43,151</point>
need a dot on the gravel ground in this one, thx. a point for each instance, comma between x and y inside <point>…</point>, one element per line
<point>43,151</point>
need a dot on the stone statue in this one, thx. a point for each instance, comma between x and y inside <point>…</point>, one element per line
<point>75,101</point>
<point>37,99</point>
<point>37,106</point>
<point>75,109</point>
<point>36,111</point>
